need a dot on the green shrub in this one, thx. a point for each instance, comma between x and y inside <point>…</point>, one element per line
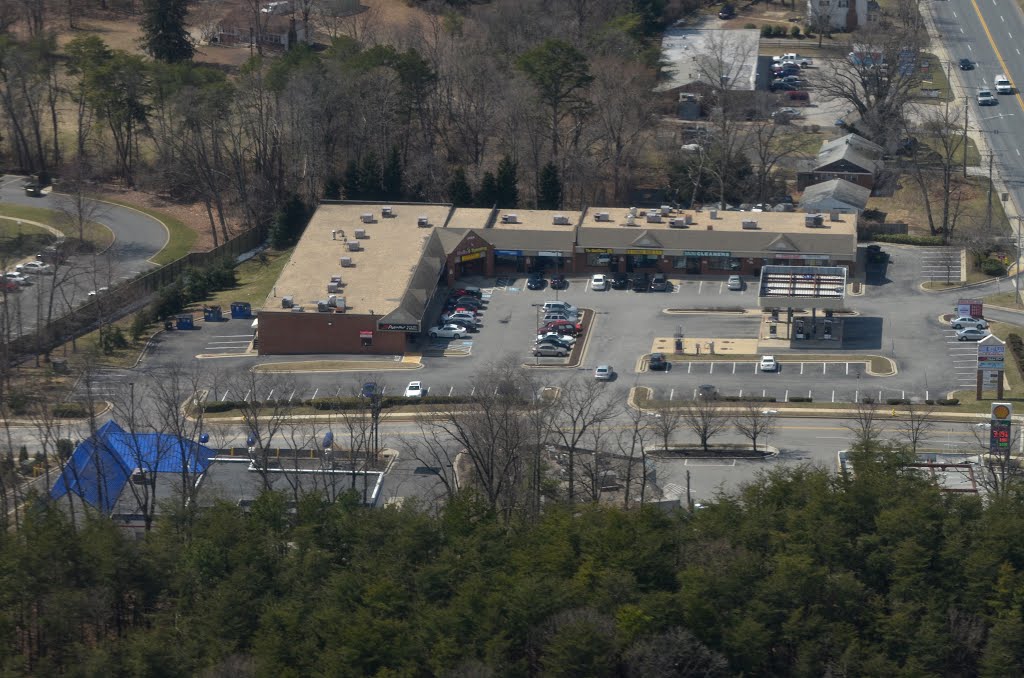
<point>749,399</point>
<point>993,267</point>
<point>949,402</point>
<point>70,411</point>
<point>64,448</point>
<point>140,322</point>
<point>111,339</point>
<point>767,31</point>
<point>794,32</point>
<point>801,399</point>
<point>903,239</point>
<point>867,400</point>
<point>897,401</point>
<point>929,401</point>
<point>219,406</point>
<point>750,27</point>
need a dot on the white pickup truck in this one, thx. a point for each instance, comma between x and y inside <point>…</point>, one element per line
<point>793,57</point>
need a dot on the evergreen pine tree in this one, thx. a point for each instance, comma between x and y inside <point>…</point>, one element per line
<point>508,183</point>
<point>352,182</point>
<point>549,193</point>
<point>370,177</point>
<point>487,196</point>
<point>163,29</point>
<point>459,192</point>
<point>392,182</point>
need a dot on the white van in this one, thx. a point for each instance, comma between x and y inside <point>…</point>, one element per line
<point>1003,85</point>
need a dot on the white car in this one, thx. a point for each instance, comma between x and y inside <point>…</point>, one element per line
<point>557,338</point>
<point>986,98</point>
<point>16,277</point>
<point>603,373</point>
<point>768,363</point>
<point>735,282</point>
<point>599,282</point>
<point>447,332</point>
<point>967,321</point>
<point>34,267</point>
<point>415,390</point>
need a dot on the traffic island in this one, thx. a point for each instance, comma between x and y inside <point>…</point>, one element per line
<point>337,366</point>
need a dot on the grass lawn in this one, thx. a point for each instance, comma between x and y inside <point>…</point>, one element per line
<point>933,77</point>
<point>256,277</point>
<point>907,205</point>
<point>973,156</point>
<point>17,241</point>
<point>181,236</point>
<point>1008,299</point>
<point>1015,390</point>
<point>99,235</point>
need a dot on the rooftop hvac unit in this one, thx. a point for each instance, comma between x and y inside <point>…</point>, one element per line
<point>561,220</point>
<point>353,246</point>
<point>332,300</point>
<point>323,307</point>
<point>366,218</point>
<point>814,221</point>
<point>297,309</point>
<point>687,219</point>
<point>387,212</point>
<point>632,211</point>
<point>833,215</point>
<point>422,222</point>
<point>345,262</point>
<point>287,302</point>
<point>602,216</point>
<point>677,222</point>
<point>336,279</point>
<point>666,210</point>
<point>333,287</point>
<point>713,214</point>
<point>340,304</point>
<point>653,217</point>
<point>630,220</point>
<point>360,234</point>
<point>749,225</point>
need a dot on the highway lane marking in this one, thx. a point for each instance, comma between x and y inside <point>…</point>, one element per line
<point>954,15</point>
<point>988,34</point>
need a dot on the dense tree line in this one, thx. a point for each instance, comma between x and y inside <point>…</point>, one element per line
<point>801,573</point>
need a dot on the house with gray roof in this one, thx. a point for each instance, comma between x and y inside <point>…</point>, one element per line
<point>852,158</point>
<point>835,195</point>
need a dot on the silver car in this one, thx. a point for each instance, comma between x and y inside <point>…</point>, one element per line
<point>971,334</point>
<point>967,321</point>
<point>550,351</point>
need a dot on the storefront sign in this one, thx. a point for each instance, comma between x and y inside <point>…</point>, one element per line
<point>471,257</point>
<point>366,334</point>
<point>991,356</point>
<point>799,257</point>
<point>705,253</point>
<point>508,253</point>
<point>597,250</point>
<point>397,327</point>
<point>656,253</point>
<point>549,254</point>
<point>970,307</point>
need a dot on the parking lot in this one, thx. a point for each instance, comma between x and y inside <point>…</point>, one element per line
<point>941,264</point>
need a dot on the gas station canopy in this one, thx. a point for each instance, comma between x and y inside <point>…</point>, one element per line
<point>821,287</point>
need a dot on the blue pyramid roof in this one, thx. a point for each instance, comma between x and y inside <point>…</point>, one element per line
<point>101,465</point>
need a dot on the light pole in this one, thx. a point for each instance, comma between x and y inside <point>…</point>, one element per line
<point>537,308</point>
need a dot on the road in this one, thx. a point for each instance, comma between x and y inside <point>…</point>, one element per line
<point>991,34</point>
<point>138,237</point>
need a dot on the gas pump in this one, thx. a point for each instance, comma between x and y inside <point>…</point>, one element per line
<point>828,328</point>
<point>800,329</point>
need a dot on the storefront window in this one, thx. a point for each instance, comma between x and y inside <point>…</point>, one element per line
<point>507,261</point>
<point>724,263</point>
<point>599,259</point>
<point>644,260</point>
<point>679,262</point>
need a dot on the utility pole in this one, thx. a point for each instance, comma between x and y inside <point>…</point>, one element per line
<point>1016,277</point>
<point>967,114</point>
<point>988,209</point>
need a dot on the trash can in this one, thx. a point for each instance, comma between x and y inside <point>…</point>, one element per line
<point>241,309</point>
<point>185,322</point>
<point>212,314</point>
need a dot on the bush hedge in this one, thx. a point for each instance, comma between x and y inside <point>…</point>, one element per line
<point>993,267</point>
<point>801,399</point>
<point>897,401</point>
<point>749,399</point>
<point>949,402</point>
<point>70,410</point>
<point>902,239</point>
<point>1016,345</point>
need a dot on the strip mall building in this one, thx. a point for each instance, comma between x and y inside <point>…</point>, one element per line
<point>370,278</point>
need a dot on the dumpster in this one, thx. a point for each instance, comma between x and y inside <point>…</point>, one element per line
<point>212,314</point>
<point>241,309</point>
<point>185,322</point>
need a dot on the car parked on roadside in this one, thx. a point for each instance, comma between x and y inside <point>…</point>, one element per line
<point>34,268</point>
<point>558,282</point>
<point>460,315</point>
<point>599,282</point>
<point>561,327</point>
<point>468,291</point>
<point>640,282</point>
<point>768,364</point>
<point>369,390</point>
<point>468,325</point>
<point>415,390</point>
<point>659,283</point>
<point>967,321</point>
<point>560,307</point>
<point>735,283</point>
<point>620,281</point>
<point>707,392</point>
<point>971,334</point>
<point>657,361</point>
<point>536,281</point>
<point>17,278</point>
<point>449,331</point>
<point>550,351</point>
<point>9,285</point>
<point>470,301</point>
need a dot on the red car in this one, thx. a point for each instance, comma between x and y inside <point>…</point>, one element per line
<point>562,327</point>
<point>10,285</point>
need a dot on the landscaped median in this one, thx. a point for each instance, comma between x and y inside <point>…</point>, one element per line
<point>336,366</point>
<point>640,397</point>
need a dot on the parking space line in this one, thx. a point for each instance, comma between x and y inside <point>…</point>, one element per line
<point>823,366</point>
<point>246,395</point>
<point>689,366</point>
<point>700,287</point>
<point>712,370</point>
<point>833,396</point>
<point>721,286</point>
<point>314,394</point>
<point>785,398</point>
<point>291,396</point>
<point>801,368</point>
<point>734,367</point>
<point>450,390</point>
<point>671,394</point>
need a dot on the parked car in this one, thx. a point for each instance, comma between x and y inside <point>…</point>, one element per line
<point>561,327</point>
<point>657,361</point>
<point>780,85</point>
<point>558,282</point>
<point>415,390</point>
<point>470,301</point>
<point>620,281</point>
<point>536,281</point>
<point>550,351</point>
<point>707,392</point>
<point>33,189</point>
<point>459,315</point>
<point>18,278</point>
<point>727,12</point>
<point>562,339</point>
<point>468,325</point>
<point>560,307</point>
<point>967,321</point>
<point>468,291</point>
<point>735,282</point>
<point>971,334</point>
<point>768,363</point>
<point>640,282</point>
<point>551,317</point>
<point>659,283</point>
<point>599,282</point>
<point>603,372</point>
<point>9,285</point>
<point>986,98</point>
<point>34,267</point>
<point>447,332</point>
<point>786,114</point>
<point>368,390</point>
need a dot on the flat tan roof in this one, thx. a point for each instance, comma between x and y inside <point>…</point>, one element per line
<point>469,217</point>
<point>535,220</point>
<point>381,269</point>
<point>772,222</point>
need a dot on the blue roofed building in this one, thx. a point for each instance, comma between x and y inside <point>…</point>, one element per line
<point>124,475</point>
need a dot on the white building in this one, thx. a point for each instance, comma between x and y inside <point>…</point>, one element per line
<point>839,15</point>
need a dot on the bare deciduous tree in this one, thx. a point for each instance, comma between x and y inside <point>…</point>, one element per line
<point>865,425</point>
<point>581,405</point>
<point>264,409</point>
<point>916,425</point>
<point>754,421</point>
<point>705,417</point>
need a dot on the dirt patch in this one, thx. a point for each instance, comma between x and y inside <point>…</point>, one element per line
<point>192,215</point>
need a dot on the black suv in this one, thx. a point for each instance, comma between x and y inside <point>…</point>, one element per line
<point>640,283</point>
<point>659,283</point>
<point>535,281</point>
<point>620,281</point>
<point>727,12</point>
<point>558,282</point>
<point>657,362</point>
